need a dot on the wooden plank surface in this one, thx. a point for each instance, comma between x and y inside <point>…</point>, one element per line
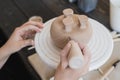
<point>43,70</point>
<point>10,17</point>
<point>35,7</point>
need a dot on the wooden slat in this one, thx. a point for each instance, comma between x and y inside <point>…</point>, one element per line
<point>44,70</point>
<point>10,17</point>
<point>35,7</point>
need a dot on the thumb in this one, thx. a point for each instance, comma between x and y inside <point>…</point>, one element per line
<point>27,42</point>
<point>64,54</point>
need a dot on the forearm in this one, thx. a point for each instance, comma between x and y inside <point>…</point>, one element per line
<point>2,62</point>
<point>4,55</point>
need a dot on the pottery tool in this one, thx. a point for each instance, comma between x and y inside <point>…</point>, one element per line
<point>30,48</point>
<point>104,75</point>
<point>115,36</point>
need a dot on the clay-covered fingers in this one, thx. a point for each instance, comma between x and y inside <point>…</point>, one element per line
<point>64,54</point>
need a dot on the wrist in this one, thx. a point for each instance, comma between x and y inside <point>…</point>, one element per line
<point>4,55</point>
<point>6,50</point>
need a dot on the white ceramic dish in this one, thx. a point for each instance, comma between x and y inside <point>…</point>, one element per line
<point>100,45</point>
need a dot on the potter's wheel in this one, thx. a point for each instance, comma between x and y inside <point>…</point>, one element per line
<point>100,45</point>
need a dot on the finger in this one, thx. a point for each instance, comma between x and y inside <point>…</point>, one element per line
<point>87,54</point>
<point>30,27</point>
<point>27,42</point>
<point>86,65</point>
<point>63,55</point>
<point>66,49</point>
<point>38,24</point>
<point>22,30</point>
<point>87,57</point>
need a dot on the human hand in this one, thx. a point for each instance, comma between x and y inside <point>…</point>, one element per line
<point>64,72</point>
<point>21,37</point>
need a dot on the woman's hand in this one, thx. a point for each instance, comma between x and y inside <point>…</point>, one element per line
<point>22,35</point>
<point>64,72</point>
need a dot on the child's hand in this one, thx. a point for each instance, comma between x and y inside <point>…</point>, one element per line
<point>64,72</point>
<point>22,35</point>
